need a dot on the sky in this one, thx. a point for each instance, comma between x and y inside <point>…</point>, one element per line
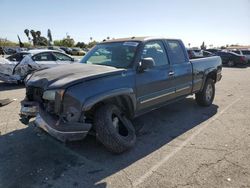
<point>216,22</point>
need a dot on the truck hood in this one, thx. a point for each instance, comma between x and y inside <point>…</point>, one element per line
<point>65,76</point>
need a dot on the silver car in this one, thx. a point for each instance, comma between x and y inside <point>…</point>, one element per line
<point>16,72</point>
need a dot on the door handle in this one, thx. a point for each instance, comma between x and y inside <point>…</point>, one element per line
<point>171,73</point>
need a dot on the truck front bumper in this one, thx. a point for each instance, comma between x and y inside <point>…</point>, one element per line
<point>63,131</point>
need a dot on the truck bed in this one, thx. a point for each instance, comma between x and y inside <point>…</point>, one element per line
<point>203,66</point>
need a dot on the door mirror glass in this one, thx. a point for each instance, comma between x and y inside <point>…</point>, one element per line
<point>146,63</point>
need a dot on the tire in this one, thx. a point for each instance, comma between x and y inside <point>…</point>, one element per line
<point>206,96</point>
<point>113,129</point>
<point>230,63</point>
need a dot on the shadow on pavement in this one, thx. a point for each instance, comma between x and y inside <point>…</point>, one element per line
<point>6,86</point>
<point>29,160</point>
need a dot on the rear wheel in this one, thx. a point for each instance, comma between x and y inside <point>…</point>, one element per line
<point>114,129</point>
<point>230,63</point>
<point>206,96</point>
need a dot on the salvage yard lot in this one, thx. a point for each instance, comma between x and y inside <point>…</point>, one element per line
<point>180,145</point>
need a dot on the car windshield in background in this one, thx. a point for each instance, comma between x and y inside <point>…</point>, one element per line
<point>116,54</point>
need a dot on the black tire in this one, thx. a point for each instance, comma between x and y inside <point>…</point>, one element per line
<point>204,97</point>
<point>116,140</point>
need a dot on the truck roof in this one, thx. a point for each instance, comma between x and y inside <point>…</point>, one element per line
<point>135,39</point>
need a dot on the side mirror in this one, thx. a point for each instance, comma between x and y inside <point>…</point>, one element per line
<point>146,63</point>
<point>72,59</point>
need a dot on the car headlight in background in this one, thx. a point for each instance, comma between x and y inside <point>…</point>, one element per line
<point>51,94</point>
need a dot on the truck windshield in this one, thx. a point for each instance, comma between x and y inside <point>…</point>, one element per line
<point>115,54</point>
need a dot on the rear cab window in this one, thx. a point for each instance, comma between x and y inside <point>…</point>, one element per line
<point>176,52</point>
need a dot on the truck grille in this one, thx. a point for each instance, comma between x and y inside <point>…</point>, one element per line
<point>34,94</point>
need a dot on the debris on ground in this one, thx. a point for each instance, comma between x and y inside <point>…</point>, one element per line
<point>4,102</point>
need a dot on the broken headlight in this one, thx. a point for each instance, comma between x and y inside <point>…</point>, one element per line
<point>51,94</point>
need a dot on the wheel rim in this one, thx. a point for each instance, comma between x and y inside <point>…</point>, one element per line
<point>119,125</point>
<point>230,63</point>
<point>209,92</point>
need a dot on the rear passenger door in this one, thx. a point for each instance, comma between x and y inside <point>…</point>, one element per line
<point>182,68</point>
<point>154,86</point>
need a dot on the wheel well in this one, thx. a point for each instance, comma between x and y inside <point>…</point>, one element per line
<point>212,75</point>
<point>122,101</point>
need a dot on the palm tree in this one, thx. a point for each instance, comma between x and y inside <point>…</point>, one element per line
<point>38,34</point>
<point>49,36</point>
<point>26,31</point>
<point>33,34</point>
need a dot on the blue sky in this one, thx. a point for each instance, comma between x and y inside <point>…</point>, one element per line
<point>217,22</point>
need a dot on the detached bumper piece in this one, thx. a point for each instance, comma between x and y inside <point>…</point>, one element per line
<point>29,109</point>
<point>61,130</point>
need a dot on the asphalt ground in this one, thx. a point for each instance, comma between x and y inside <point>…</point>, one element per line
<point>180,145</point>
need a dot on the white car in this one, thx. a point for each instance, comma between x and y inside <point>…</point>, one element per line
<point>16,72</point>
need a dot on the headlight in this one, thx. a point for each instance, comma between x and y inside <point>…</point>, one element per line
<point>51,94</point>
<point>27,78</point>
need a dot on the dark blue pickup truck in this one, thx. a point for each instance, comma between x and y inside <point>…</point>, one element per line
<point>116,81</point>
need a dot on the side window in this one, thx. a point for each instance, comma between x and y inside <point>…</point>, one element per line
<point>61,57</point>
<point>44,57</point>
<point>156,51</point>
<point>176,51</point>
<point>246,52</point>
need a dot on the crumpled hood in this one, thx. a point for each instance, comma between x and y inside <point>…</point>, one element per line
<point>64,76</point>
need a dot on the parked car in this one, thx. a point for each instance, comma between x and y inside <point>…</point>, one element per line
<point>77,51</point>
<point>214,51</point>
<point>56,48</point>
<point>17,57</point>
<point>15,72</point>
<point>245,53</point>
<point>9,50</point>
<point>104,91</point>
<point>2,51</point>
<point>66,50</point>
<point>207,53</point>
<point>232,59</point>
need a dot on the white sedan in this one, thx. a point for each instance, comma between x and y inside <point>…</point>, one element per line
<point>15,72</point>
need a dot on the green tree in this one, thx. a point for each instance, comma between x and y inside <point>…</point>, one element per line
<point>67,42</point>
<point>81,45</point>
<point>92,44</point>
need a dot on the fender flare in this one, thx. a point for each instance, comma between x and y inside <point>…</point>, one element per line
<point>206,73</point>
<point>90,102</point>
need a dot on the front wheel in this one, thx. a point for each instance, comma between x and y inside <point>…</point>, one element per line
<point>114,129</point>
<point>206,96</point>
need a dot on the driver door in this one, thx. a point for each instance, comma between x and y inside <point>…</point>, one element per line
<point>154,85</point>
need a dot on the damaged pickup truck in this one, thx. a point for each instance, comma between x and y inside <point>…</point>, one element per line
<point>116,81</point>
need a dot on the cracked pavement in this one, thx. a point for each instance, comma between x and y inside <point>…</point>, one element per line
<point>180,145</point>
